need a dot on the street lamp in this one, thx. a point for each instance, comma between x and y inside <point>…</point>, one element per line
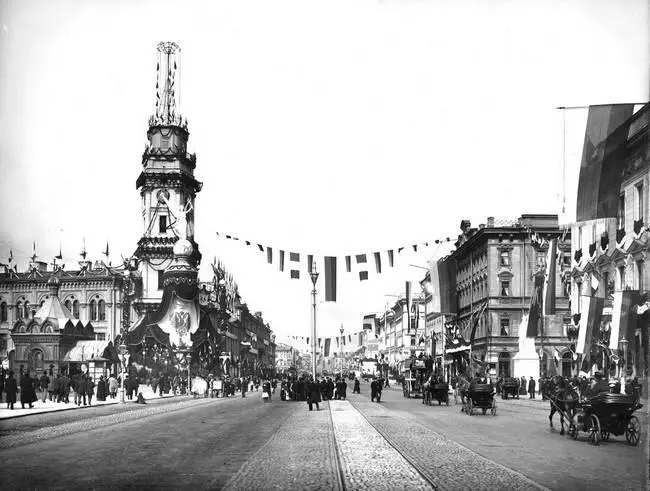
<point>624,343</point>
<point>313,274</point>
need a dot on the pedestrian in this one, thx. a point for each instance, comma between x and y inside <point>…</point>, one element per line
<point>102,391</point>
<point>531,387</point>
<point>373,390</point>
<point>112,386</point>
<point>244,389</point>
<point>65,388</point>
<point>90,389</point>
<point>357,386</point>
<point>79,388</point>
<point>344,388</point>
<point>44,383</point>
<point>313,394</point>
<point>266,389</point>
<point>11,388</point>
<point>27,391</point>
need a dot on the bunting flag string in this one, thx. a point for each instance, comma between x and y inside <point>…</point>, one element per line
<point>330,264</point>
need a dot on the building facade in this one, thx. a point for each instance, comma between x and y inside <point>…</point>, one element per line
<point>609,255</point>
<point>496,265</point>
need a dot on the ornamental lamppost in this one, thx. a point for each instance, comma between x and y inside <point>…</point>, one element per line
<point>313,274</point>
<point>124,357</point>
<point>623,343</point>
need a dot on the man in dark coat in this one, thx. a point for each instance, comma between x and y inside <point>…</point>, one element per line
<point>27,391</point>
<point>323,389</point>
<point>65,388</point>
<point>357,386</point>
<point>44,383</point>
<point>90,389</point>
<point>531,387</point>
<point>11,388</point>
<point>102,390</point>
<point>313,394</point>
<point>344,388</point>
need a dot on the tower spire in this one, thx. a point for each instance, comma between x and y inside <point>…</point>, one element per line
<point>166,111</point>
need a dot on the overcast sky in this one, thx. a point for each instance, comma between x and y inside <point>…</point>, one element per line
<point>325,127</point>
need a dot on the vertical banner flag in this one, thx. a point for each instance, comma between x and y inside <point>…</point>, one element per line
<point>260,247</point>
<point>442,274</point>
<point>363,275</point>
<point>269,255</point>
<point>623,319</point>
<point>408,306</point>
<point>591,309</point>
<point>328,342</point>
<point>535,311</point>
<point>294,265</point>
<point>330,278</point>
<point>310,262</point>
<point>348,264</point>
<point>390,258</point>
<point>378,261</point>
<point>549,282</point>
<point>281,265</point>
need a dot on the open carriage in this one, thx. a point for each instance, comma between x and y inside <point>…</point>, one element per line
<point>480,396</point>
<point>438,391</point>
<point>510,387</point>
<point>607,414</point>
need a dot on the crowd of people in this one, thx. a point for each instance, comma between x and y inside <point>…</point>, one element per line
<point>55,388</point>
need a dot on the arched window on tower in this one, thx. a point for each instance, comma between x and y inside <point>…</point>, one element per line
<point>101,307</point>
<point>19,309</point>
<point>93,310</point>
<point>68,305</point>
<point>3,312</point>
<point>75,309</point>
<point>26,310</point>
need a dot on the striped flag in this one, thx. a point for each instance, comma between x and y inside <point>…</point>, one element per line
<point>361,258</point>
<point>328,342</point>
<point>348,264</point>
<point>378,261</point>
<point>281,265</point>
<point>269,255</point>
<point>591,309</point>
<point>330,279</point>
<point>310,263</point>
<point>390,258</point>
<point>535,310</point>
<point>363,275</point>
<point>408,306</point>
<point>549,282</point>
<point>294,265</point>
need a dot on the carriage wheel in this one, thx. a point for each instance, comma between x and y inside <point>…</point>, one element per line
<point>594,429</point>
<point>633,431</point>
<point>604,435</point>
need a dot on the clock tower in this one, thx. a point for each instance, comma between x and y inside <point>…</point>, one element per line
<point>167,185</point>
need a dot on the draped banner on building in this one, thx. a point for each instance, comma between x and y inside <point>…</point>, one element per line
<point>623,317</point>
<point>442,274</point>
<point>408,306</point>
<point>549,281</point>
<point>535,310</point>
<point>591,309</point>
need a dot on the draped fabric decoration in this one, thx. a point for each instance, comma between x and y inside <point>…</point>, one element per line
<point>328,342</point>
<point>330,279</point>
<point>549,282</point>
<point>269,255</point>
<point>535,310</point>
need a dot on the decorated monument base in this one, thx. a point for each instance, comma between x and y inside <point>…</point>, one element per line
<point>526,366</point>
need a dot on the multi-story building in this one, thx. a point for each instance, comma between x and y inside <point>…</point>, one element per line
<point>609,254</point>
<point>285,357</point>
<point>495,266</point>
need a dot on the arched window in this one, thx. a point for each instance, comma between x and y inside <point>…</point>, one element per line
<point>42,303</point>
<point>19,310</point>
<point>68,305</point>
<point>93,310</point>
<point>26,308</point>
<point>35,329</point>
<point>3,312</point>
<point>75,309</point>
<point>101,307</point>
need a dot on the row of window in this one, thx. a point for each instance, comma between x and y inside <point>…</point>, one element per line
<point>639,209</point>
<point>97,310</point>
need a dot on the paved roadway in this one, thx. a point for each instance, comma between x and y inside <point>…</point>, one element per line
<point>239,443</point>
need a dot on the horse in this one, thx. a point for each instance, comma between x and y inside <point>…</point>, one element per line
<point>462,386</point>
<point>564,399</point>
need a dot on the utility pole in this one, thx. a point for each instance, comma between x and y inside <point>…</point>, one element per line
<point>314,278</point>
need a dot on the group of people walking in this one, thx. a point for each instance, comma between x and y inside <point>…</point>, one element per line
<point>56,388</point>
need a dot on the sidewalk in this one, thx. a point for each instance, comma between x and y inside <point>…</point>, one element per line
<point>49,406</point>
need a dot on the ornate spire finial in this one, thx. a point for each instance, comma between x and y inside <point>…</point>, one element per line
<point>167,86</point>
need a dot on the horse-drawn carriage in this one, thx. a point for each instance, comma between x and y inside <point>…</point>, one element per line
<point>607,414</point>
<point>480,396</point>
<point>510,387</point>
<point>413,373</point>
<point>437,390</point>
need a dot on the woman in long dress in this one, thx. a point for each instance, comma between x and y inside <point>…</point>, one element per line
<point>101,389</point>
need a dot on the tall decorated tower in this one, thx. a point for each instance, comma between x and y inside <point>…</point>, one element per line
<point>166,184</point>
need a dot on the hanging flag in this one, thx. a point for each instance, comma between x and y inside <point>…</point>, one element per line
<point>591,309</point>
<point>328,342</point>
<point>556,356</point>
<point>549,282</point>
<point>623,318</point>
<point>319,340</point>
<point>363,275</point>
<point>294,257</point>
<point>415,247</point>
<point>415,310</point>
<point>337,342</point>
<point>349,338</point>
<point>390,258</point>
<point>310,263</point>
<point>106,251</point>
<point>535,309</point>
<point>294,260</point>
<point>269,255</point>
<point>343,340</point>
<point>442,274</point>
<point>281,265</point>
<point>248,242</point>
<point>378,261</point>
<point>361,258</point>
<point>399,251</point>
<point>11,255</point>
<point>408,306</point>
<point>60,256</point>
<point>260,247</point>
<point>307,341</point>
<point>330,279</point>
<point>595,281</point>
<point>348,264</point>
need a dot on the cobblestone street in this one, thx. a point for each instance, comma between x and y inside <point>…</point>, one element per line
<point>237,443</point>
